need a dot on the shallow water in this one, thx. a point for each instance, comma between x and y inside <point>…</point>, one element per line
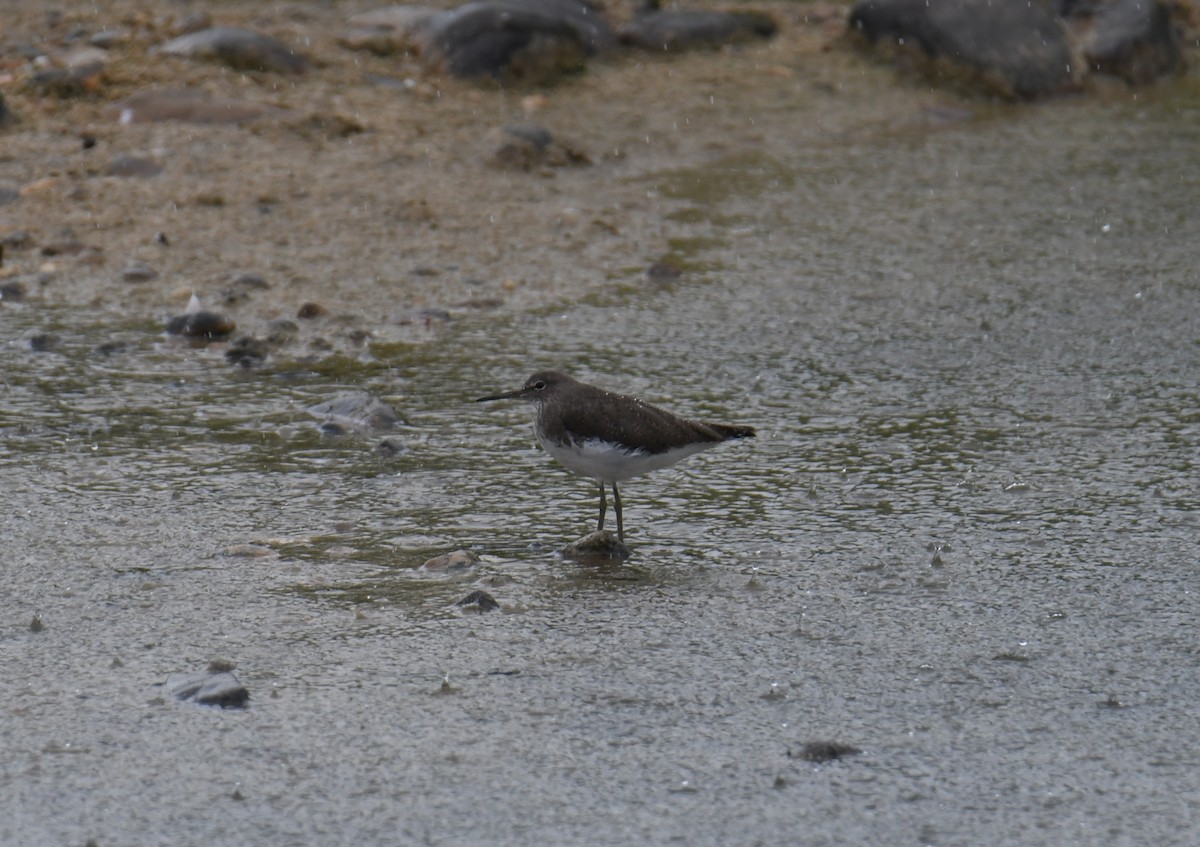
<point>965,540</point>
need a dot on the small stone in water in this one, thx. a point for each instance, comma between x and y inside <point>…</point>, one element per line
<point>478,601</point>
<point>823,751</point>
<point>215,686</point>
<point>459,560</point>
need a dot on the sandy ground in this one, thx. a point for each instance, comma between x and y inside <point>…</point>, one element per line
<point>375,194</point>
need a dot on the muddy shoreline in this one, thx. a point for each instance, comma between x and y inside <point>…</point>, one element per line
<point>373,189</point>
<point>371,201</point>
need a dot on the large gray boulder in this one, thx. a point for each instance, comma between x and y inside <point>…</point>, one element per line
<point>1016,50</point>
<point>1024,49</point>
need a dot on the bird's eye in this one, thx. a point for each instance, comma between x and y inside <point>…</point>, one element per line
<point>539,385</point>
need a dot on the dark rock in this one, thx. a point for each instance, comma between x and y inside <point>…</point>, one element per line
<point>214,686</point>
<point>391,447</point>
<point>9,195</point>
<point>1014,50</point>
<point>663,272</point>
<point>357,410</point>
<point>189,105</point>
<point>42,342</point>
<point>678,30</point>
<point>823,751</point>
<point>126,165</point>
<point>596,547</point>
<point>7,118</point>
<point>112,348</point>
<point>12,292</point>
<point>514,41</point>
<point>478,601</point>
<point>310,310</point>
<point>241,49</point>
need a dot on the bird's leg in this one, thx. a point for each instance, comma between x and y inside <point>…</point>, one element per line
<point>617,504</point>
<point>603,508</point>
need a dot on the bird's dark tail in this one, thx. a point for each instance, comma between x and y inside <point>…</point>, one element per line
<point>727,431</point>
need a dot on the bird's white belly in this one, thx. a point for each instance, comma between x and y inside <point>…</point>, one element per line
<point>610,462</point>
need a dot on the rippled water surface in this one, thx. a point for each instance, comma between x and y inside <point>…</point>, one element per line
<point>965,540</point>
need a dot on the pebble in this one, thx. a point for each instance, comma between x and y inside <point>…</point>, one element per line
<point>189,105</point>
<point>240,49</point>
<point>126,165</point>
<point>282,331</point>
<point>310,310</point>
<point>391,447</point>
<point>247,351</point>
<point>459,560</point>
<point>214,686</point>
<point>597,546</point>
<point>823,751</point>
<point>138,272</point>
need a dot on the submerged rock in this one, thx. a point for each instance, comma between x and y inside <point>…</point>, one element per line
<point>597,546</point>
<point>356,410</point>
<point>478,601</point>
<point>241,49</point>
<point>455,562</point>
<point>677,30</point>
<point>214,686</point>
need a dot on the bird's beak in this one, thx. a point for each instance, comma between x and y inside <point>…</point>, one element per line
<point>508,395</point>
